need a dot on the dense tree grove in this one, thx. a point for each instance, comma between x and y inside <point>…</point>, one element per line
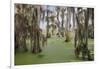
<point>59,21</point>
<point>81,35</point>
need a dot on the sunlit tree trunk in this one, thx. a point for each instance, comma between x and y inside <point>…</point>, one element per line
<point>68,24</point>
<point>74,19</point>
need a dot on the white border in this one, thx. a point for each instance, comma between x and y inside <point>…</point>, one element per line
<point>44,2</point>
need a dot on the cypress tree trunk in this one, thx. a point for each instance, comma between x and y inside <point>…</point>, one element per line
<point>62,25</point>
<point>36,47</point>
<point>47,34</point>
<point>58,24</point>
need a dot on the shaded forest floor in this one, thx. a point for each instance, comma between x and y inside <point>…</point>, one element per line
<point>57,51</point>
